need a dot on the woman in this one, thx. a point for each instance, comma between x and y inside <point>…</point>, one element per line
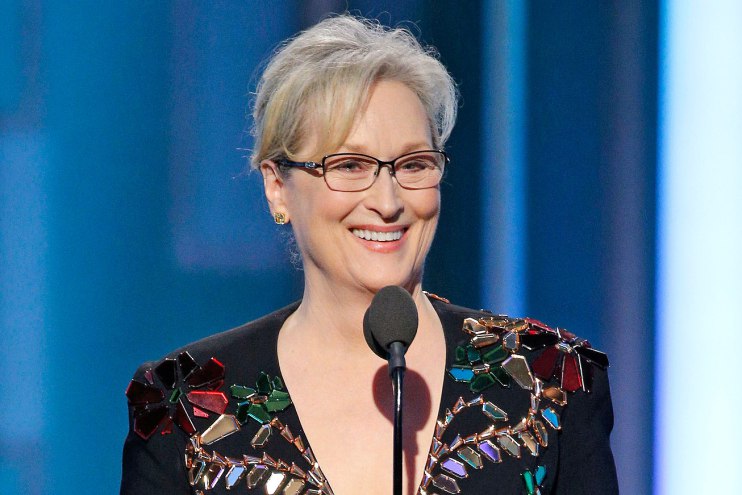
<point>350,121</point>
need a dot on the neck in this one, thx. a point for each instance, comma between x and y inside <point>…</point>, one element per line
<point>331,317</point>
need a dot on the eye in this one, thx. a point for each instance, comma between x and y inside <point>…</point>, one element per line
<point>349,165</point>
<point>417,164</point>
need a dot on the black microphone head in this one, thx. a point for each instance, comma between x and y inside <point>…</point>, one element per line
<point>391,317</point>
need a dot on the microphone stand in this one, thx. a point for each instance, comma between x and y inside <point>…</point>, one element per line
<point>397,368</point>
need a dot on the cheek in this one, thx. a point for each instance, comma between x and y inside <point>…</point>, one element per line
<point>428,205</point>
<point>317,212</point>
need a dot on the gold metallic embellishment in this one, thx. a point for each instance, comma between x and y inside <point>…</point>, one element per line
<point>280,218</point>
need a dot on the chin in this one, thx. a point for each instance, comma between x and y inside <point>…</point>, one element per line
<point>383,280</point>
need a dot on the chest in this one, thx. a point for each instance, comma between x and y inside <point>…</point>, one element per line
<point>346,415</point>
<point>342,415</point>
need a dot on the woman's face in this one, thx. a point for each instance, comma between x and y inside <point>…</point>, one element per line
<point>332,228</point>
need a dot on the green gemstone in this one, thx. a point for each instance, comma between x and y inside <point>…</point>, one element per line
<point>482,382</point>
<point>501,376</point>
<point>277,383</point>
<point>259,413</point>
<point>460,355</point>
<point>175,395</point>
<point>530,482</point>
<point>240,392</point>
<point>473,354</point>
<point>278,400</point>
<point>495,355</point>
<point>241,414</point>
<point>264,384</point>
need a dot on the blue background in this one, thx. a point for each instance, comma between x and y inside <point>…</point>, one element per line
<point>129,224</point>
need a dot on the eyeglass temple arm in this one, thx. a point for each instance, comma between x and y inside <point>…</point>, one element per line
<point>289,163</point>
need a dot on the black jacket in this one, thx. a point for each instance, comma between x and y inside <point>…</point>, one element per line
<point>497,366</point>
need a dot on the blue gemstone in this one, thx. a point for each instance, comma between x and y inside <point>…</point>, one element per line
<point>551,417</point>
<point>461,374</point>
<point>540,475</point>
<point>234,475</point>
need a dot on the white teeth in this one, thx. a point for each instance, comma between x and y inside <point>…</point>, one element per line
<point>372,235</point>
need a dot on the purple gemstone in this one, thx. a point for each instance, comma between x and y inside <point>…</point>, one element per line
<point>454,467</point>
<point>491,452</point>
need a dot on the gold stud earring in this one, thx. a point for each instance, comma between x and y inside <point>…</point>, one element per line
<point>280,218</point>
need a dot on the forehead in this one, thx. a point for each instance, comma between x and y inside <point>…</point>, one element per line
<point>390,118</point>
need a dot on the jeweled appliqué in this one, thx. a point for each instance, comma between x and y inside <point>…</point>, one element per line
<point>174,387</point>
<point>543,361</point>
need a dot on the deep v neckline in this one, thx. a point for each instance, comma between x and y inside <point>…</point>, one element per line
<point>445,391</point>
<point>480,426</point>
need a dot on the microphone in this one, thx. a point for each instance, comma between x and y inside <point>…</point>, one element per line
<point>389,325</point>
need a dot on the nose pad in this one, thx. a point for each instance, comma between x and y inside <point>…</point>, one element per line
<point>390,167</point>
<point>392,175</point>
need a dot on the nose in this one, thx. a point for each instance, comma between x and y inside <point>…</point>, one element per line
<point>383,196</point>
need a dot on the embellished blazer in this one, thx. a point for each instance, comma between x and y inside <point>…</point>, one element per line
<point>525,409</point>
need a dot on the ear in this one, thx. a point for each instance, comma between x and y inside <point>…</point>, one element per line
<point>275,187</point>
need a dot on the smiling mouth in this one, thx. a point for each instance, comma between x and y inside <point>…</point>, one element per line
<point>372,235</point>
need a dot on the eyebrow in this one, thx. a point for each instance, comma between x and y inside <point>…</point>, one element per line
<point>353,148</point>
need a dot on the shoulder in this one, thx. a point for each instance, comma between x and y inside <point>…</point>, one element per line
<point>189,391</point>
<point>244,338</point>
<point>162,391</point>
<point>553,354</point>
<point>545,391</point>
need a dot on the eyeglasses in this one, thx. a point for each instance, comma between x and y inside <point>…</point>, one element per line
<point>352,172</point>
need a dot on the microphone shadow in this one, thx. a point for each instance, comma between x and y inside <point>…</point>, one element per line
<point>416,403</point>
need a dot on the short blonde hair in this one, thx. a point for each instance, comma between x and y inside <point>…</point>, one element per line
<point>323,76</point>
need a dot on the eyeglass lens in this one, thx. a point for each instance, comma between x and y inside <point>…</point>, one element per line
<point>354,172</point>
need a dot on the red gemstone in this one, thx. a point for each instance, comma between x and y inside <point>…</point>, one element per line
<point>540,324</point>
<point>165,371</point>
<point>187,364</point>
<point>200,413</point>
<point>212,371</point>
<point>567,335</point>
<point>146,422</point>
<point>168,428</point>
<point>545,365</point>
<point>210,400</point>
<point>183,420</point>
<point>571,379</point>
<point>140,393</point>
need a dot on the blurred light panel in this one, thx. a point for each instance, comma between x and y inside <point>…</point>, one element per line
<point>220,217</point>
<point>503,124</point>
<point>699,303</point>
<point>22,296</point>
